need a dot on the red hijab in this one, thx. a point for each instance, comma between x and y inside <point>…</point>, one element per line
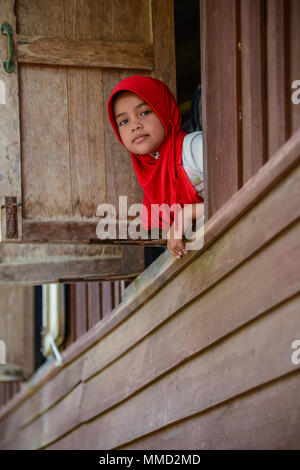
<point>163,180</point>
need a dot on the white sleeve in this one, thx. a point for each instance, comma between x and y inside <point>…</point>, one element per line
<point>192,152</point>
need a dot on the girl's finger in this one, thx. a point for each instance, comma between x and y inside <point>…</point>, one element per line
<point>172,252</point>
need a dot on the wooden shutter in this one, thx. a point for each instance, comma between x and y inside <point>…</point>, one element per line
<point>59,157</point>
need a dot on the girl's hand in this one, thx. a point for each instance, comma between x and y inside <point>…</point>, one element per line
<point>175,245</point>
<point>185,217</point>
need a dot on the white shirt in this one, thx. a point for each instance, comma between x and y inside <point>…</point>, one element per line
<point>192,160</point>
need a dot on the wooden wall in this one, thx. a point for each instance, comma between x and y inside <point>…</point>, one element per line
<point>249,59</point>
<point>198,354</point>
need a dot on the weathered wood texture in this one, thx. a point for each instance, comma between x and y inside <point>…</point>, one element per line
<point>35,264</point>
<point>249,59</point>
<point>91,53</point>
<point>294,62</point>
<point>200,350</point>
<point>71,55</point>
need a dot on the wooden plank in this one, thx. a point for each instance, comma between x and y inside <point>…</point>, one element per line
<point>10,161</point>
<point>91,53</point>
<point>45,148</point>
<point>86,140</point>
<point>35,263</point>
<point>117,296</point>
<point>294,51</point>
<point>45,155</point>
<point>83,232</point>
<point>249,421</point>
<point>278,87</point>
<point>86,128</point>
<point>31,274</point>
<point>163,33</point>
<point>219,63</point>
<point>106,298</point>
<point>264,223</point>
<point>81,309</point>
<point>253,89</point>
<point>93,298</point>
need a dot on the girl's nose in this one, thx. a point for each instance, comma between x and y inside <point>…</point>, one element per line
<point>136,125</point>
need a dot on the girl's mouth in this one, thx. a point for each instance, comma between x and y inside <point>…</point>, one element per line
<point>140,139</point>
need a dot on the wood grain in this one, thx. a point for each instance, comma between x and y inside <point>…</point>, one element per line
<point>89,53</point>
<point>220,109</point>
<point>247,422</point>
<point>278,87</point>
<point>253,88</point>
<point>45,149</point>
<point>294,51</point>
<point>163,33</point>
<point>35,263</point>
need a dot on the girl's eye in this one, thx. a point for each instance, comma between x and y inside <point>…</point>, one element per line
<point>125,120</point>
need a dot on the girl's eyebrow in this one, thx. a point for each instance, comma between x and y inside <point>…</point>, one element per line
<point>141,104</point>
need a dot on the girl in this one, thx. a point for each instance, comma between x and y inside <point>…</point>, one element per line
<point>168,161</point>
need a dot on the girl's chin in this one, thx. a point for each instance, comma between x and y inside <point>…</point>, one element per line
<point>143,150</point>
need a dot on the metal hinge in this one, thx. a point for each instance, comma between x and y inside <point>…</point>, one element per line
<point>11,205</point>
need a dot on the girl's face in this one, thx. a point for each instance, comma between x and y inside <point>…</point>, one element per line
<point>140,129</point>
